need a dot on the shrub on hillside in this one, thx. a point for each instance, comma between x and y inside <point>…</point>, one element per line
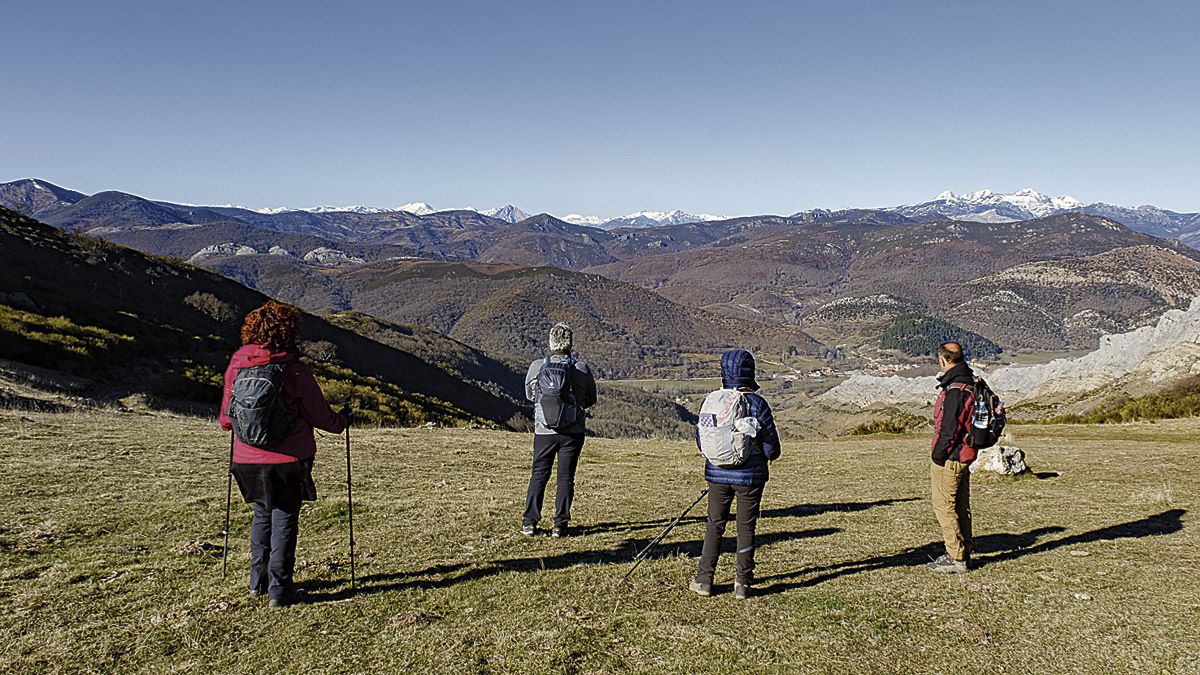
<point>1182,400</point>
<point>211,306</point>
<point>320,350</point>
<point>890,421</point>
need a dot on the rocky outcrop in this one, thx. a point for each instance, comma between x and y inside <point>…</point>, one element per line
<point>225,250</point>
<point>1164,351</point>
<point>330,256</point>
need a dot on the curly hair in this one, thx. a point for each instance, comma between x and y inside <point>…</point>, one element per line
<point>275,325</point>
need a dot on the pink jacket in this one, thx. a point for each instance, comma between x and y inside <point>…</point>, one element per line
<point>301,396</point>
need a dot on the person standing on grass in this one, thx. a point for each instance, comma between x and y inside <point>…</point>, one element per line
<point>561,388</point>
<point>275,473</point>
<point>950,469</point>
<point>745,480</point>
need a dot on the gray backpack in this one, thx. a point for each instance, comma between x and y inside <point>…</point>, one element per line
<point>725,427</point>
<point>256,407</point>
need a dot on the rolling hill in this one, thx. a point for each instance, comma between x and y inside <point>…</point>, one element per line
<point>114,321</point>
<point>791,273</point>
<point>506,310</point>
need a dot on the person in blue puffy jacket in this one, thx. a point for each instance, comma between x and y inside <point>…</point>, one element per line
<point>745,482</point>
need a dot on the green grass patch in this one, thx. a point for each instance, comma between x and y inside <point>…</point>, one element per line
<point>52,340</point>
<point>383,403</point>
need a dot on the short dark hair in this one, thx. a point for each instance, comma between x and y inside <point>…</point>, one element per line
<point>951,351</point>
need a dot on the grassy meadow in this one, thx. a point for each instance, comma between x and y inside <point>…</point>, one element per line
<point>110,558</point>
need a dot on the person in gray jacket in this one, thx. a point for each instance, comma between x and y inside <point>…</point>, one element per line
<point>561,388</point>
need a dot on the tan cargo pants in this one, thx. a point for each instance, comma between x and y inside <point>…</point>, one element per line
<point>952,506</point>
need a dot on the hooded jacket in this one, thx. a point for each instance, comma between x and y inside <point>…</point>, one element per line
<point>737,372</point>
<point>302,398</point>
<point>950,422</point>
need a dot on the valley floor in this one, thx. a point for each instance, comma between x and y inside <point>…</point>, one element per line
<point>110,558</point>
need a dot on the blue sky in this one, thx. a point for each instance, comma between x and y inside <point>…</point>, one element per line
<point>605,107</point>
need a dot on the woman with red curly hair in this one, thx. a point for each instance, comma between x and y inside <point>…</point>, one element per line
<point>276,476</point>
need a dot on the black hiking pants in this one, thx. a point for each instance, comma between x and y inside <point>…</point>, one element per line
<point>720,498</point>
<point>545,447</point>
<point>273,534</point>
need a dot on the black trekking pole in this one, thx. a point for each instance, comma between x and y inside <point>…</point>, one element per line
<point>637,560</point>
<point>228,506</point>
<point>350,505</point>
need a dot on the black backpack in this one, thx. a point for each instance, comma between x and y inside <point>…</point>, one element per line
<point>256,405</point>
<point>556,393</point>
<point>988,418</point>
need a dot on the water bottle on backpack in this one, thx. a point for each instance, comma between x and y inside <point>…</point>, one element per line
<point>982,416</point>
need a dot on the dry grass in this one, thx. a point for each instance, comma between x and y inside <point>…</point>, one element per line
<point>110,559</point>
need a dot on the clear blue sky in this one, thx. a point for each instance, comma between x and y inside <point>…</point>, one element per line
<point>604,107</point>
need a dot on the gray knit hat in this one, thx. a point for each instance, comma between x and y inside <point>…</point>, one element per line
<point>561,338</point>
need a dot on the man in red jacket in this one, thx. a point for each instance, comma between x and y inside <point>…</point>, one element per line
<point>278,478</point>
<point>952,457</point>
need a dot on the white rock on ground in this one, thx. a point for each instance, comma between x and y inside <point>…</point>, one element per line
<point>1007,460</point>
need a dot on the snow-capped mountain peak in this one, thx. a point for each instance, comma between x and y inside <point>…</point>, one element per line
<point>417,208</point>
<point>507,213</point>
<point>577,219</point>
<point>643,219</point>
<point>988,206</point>
<point>354,208</point>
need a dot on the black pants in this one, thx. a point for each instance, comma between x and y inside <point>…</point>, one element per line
<point>273,535</point>
<point>545,447</point>
<point>720,498</point>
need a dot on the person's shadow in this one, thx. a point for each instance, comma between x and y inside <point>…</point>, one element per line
<point>794,511</point>
<point>989,549</point>
<point>446,575</point>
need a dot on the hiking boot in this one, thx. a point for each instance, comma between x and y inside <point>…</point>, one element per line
<point>257,592</point>
<point>741,591</point>
<point>558,532</point>
<point>294,597</point>
<point>947,565</point>
<point>700,588</point>
<point>529,530</point>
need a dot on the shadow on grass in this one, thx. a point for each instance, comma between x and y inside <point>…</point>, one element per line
<point>447,575</point>
<point>992,548</point>
<point>803,510</point>
<point>794,511</point>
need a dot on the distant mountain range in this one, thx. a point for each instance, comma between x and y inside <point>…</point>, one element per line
<point>1023,270</point>
<point>986,206</point>
<point>642,219</point>
<point>36,198</point>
